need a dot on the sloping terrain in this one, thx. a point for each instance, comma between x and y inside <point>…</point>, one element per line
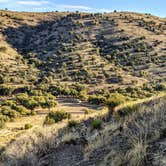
<point>103,49</point>
<point>89,61</point>
<point>134,140</point>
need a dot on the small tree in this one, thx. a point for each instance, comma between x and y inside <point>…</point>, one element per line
<point>50,104</point>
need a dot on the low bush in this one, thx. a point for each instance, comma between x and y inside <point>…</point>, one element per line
<point>97,99</point>
<point>41,100</point>
<point>27,101</point>
<point>28,126</point>
<point>5,110</point>
<point>96,124</point>
<point>161,87</point>
<point>56,116</point>
<point>22,110</point>
<point>10,103</point>
<point>115,99</point>
<point>5,90</point>
<point>72,123</point>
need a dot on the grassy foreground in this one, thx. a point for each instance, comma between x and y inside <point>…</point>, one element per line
<point>137,133</point>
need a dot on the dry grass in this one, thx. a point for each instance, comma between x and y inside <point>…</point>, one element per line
<point>129,146</point>
<point>14,129</point>
<point>122,141</point>
<point>41,139</point>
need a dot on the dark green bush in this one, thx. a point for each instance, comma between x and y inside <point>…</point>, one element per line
<point>10,103</point>
<point>22,110</point>
<point>96,124</point>
<point>27,101</point>
<point>56,116</point>
<point>40,99</point>
<point>28,126</point>
<point>72,123</point>
<point>5,110</point>
<point>5,90</point>
<point>97,99</point>
<point>160,87</point>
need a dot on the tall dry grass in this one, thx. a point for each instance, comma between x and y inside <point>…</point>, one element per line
<point>121,141</point>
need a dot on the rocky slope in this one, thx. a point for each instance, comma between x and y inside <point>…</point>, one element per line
<point>104,49</point>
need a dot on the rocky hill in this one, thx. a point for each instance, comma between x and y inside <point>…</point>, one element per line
<point>110,50</point>
<point>106,61</point>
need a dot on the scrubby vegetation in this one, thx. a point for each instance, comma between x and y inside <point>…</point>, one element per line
<point>96,124</point>
<point>127,140</point>
<point>72,124</point>
<point>28,126</point>
<point>92,61</point>
<point>23,104</point>
<point>56,116</point>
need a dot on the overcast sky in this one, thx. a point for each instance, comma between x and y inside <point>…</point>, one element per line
<point>156,7</point>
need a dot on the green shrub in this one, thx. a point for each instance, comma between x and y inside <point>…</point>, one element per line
<point>56,116</point>
<point>10,103</point>
<point>83,95</point>
<point>44,100</point>
<point>41,100</point>
<point>22,110</point>
<point>4,118</point>
<point>96,124</point>
<point>97,99</point>
<point>27,101</point>
<point>50,103</point>
<point>115,100</point>
<point>33,112</point>
<point>5,90</point>
<point>28,126</point>
<point>49,121</point>
<point>72,123</point>
<point>5,110</point>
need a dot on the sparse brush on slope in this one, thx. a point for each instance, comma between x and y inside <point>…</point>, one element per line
<point>105,59</point>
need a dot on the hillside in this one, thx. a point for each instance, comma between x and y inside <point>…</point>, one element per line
<point>89,84</point>
<point>103,49</point>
